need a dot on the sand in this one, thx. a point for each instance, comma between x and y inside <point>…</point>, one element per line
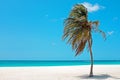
<point>101,72</point>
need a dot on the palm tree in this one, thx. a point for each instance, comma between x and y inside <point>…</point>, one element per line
<point>78,31</point>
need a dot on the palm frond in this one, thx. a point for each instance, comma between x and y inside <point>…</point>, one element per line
<point>80,47</point>
<point>96,23</point>
<point>103,33</point>
<point>78,30</point>
<point>78,11</point>
<point>96,29</point>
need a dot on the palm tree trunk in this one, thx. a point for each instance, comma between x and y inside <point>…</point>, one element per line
<point>91,58</point>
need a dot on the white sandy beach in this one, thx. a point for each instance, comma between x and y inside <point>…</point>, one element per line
<point>101,72</point>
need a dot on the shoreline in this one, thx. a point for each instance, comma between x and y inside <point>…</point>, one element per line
<point>101,72</point>
<point>63,65</point>
<point>16,63</point>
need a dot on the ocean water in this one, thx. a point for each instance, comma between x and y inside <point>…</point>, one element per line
<point>21,63</point>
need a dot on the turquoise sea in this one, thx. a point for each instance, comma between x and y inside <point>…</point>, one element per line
<point>25,63</point>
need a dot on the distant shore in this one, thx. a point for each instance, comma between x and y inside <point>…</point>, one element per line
<point>101,72</point>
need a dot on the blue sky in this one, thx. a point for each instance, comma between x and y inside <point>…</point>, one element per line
<point>32,29</point>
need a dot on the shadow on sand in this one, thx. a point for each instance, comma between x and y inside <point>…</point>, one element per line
<point>98,77</point>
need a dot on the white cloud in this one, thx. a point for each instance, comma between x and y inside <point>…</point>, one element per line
<point>110,33</point>
<point>92,8</point>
